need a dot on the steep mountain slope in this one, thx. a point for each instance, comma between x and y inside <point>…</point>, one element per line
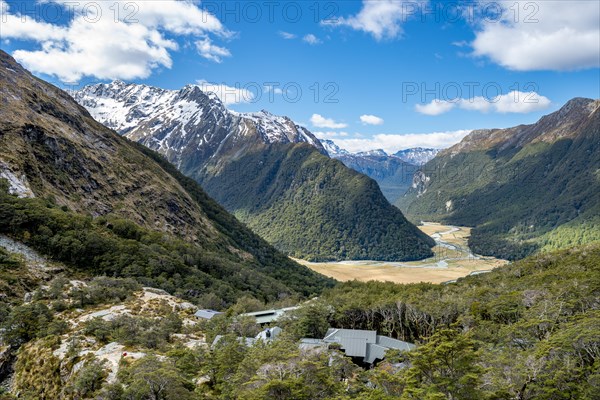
<point>523,188</point>
<point>348,217</point>
<point>271,173</point>
<point>188,126</point>
<point>103,204</point>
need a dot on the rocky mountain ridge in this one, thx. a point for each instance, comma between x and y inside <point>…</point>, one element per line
<point>179,122</point>
<point>563,123</point>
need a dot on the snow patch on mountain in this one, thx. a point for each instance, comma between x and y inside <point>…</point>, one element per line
<point>372,153</point>
<point>279,129</point>
<point>333,149</point>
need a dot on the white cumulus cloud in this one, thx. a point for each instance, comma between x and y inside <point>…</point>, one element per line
<point>371,120</point>
<point>287,35</point>
<point>330,134</point>
<point>513,102</point>
<point>381,18</point>
<point>319,121</point>
<point>542,35</point>
<point>311,39</point>
<point>110,40</point>
<point>435,107</point>
<point>392,143</point>
<point>210,51</point>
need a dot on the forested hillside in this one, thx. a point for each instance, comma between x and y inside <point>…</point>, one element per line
<point>524,189</point>
<point>114,246</point>
<point>315,208</point>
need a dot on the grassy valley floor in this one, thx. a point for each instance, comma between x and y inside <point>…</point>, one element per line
<point>452,260</point>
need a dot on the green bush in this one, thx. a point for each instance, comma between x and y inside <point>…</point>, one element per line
<point>135,331</point>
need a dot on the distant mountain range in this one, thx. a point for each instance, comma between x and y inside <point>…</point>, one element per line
<point>107,206</point>
<point>527,188</point>
<point>393,173</point>
<point>417,155</point>
<point>414,156</point>
<point>273,174</point>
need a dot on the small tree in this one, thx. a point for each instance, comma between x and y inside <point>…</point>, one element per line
<point>445,367</point>
<point>88,380</point>
<point>308,321</point>
<point>25,323</point>
<point>153,379</point>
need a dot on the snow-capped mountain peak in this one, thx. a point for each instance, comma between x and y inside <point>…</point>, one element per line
<point>417,155</point>
<point>372,153</point>
<point>186,120</point>
<point>333,149</point>
<point>414,156</point>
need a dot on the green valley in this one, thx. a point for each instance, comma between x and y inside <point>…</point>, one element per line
<point>84,196</point>
<point>452,259</point>
<point>523,189</point>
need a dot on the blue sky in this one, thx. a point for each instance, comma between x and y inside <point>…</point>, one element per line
<point>382,73</point>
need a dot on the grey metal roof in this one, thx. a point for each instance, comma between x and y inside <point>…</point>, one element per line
<point>267,319</point>
<point>354,347</point>
<point>312,341</point>
<point>206,314</point>
<point>309,343</point>
<point>394,343</point>
<point>374,352</point>
<point>353,341</point>
<point>363,343</point>
<point>330,331</point>
<point>335,335</point>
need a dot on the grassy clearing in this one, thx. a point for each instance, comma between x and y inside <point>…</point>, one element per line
<point>448,263</point>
